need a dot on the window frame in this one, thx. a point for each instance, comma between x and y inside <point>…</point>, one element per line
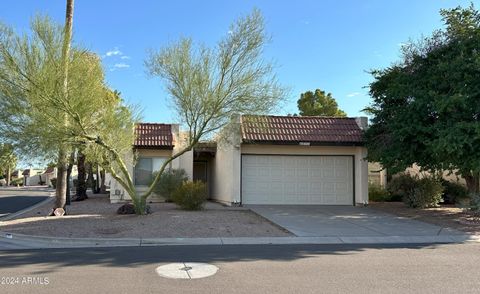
<point>165,158</point>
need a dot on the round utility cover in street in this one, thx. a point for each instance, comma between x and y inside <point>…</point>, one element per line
<point>186,270</point>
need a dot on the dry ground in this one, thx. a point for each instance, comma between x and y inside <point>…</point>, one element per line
<point>447,216</point>
<point>96,217</point>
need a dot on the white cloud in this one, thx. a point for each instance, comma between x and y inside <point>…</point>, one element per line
<point>125,57</point>
<point>114,52</point>
<point>353,94</point>
<point>121,65</point>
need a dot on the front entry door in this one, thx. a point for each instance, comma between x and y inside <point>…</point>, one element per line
<point>200,173</point>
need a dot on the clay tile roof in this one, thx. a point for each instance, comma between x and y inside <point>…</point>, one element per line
<point>150,135</point>
<point>295,129</point>
<point>49,170</point>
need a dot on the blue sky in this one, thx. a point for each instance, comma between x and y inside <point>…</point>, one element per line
<point>317,44</point>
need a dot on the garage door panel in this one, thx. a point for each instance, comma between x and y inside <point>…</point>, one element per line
<point>290,172</point>
<point>274,179</point>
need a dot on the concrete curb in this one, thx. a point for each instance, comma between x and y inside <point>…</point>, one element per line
<point>10,216</point>
<point>38,242</point>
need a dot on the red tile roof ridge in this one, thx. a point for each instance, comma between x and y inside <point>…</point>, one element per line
<point>298,116</point>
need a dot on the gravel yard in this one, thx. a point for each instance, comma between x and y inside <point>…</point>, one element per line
<point>447,216</point>
<point>97,218</point>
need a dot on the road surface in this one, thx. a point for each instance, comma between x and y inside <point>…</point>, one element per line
<point>13,199</point>
<point>452,268</point>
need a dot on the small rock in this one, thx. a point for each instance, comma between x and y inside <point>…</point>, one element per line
<point>59,212</point>
<point>127,208</point>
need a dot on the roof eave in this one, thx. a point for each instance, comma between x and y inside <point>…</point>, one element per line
<point>298,143</point>
<point>169,147</point>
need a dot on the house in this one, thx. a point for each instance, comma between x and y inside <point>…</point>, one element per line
<point>32,177</point>
<point>264,160</point>
<point>49,174</point>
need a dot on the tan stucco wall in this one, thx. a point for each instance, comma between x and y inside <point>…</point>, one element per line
<point>376,174</point>
<point>228,166</point>
<point>226,174</point>
<point>415,170</point>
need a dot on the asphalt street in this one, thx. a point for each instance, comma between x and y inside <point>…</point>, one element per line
<point>13,199</point>
<point>448,268</point>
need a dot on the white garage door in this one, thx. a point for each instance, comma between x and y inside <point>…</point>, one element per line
<point>275,179</point>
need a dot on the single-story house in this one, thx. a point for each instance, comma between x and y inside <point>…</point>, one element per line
<point>50,173</point>
<point>264,160</point>
<point>32,177</point>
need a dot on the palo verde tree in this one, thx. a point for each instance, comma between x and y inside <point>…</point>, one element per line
<point>426,108</point>
<point>318,103</point>
<point>207,86</point>
<point>54,57</point>
<point>33,106</point>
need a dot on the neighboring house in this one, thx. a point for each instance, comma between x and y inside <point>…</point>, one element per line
<point>15,174</point>
<point>265,160</point>
<point>49,174</point>
<point>377,175</point>
<point>32,177</point>
<point>416,171</point>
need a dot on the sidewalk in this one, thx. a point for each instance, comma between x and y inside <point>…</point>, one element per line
<point>17,241</point>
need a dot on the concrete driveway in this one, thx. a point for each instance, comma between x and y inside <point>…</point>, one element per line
<point>345,221</point>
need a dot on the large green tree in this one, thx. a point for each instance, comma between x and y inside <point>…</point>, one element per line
<point>318,103</point>
<point>426,108</point>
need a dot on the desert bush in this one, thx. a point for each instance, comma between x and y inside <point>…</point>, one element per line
<point>453,192</point>
<point>190,195</point>
<point>475,203</point>
<point>18,181</point>
<point>427,192</point>
<point>170,181</point>
<point>400,186</point>
<point>377,193</point>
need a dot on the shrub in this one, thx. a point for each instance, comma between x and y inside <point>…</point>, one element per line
<point>453,192</point>
<point>377,193</point>
<point>170,181</point>
<point>190,195</point>
<point>18,181</point>
<point>426,193</point>
<point>54,183</point>
<point>475,203</point>
<point>400,186</point>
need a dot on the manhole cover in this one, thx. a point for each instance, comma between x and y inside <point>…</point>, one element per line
<point>186,270</point>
